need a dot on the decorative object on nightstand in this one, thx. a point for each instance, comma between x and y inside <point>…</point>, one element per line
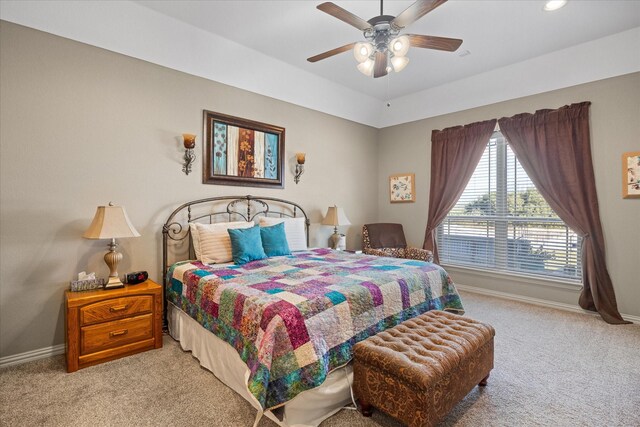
<point>87,282</point>
<point>300,159</point>
<point>336,217</point>
<point>136,277</point>
<point>189,156</point>
<point>111,222</point>
<point>105,325</point>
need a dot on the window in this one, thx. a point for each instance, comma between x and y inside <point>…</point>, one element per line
<point>502,222</point>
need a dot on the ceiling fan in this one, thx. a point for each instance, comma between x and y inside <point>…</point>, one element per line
<point>384,43</point>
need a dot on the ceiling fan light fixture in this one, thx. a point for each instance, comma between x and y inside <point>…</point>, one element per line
<point>362,51</point>
<point>384,49</point>
<point>399,62</point>
<point>366,67</point>
<point>400,45</point>
<point>552,5</point>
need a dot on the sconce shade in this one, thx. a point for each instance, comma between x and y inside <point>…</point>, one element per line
<point>300,158</point>
<point>110,222</point>
<point>189,140</point>
<point>335,216</point>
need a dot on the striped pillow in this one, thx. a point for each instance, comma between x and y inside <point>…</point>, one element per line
<point>211,242</point>
<point>294,228</point>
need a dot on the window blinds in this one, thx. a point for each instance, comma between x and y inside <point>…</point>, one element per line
<point>501,222</point>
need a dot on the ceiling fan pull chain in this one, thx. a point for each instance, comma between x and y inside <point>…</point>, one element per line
<point>388,96</point>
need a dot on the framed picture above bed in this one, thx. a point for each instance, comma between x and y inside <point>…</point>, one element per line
<point>631,175</point>
<point>242,152</point>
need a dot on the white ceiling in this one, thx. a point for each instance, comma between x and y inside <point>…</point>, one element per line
<point>497,33</point>
<point>261,46</point>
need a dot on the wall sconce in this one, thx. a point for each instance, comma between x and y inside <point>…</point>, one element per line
<point>300,158</point>
<point>189,155</point>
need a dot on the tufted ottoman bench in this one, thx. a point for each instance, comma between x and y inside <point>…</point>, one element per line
<point>420,369</point>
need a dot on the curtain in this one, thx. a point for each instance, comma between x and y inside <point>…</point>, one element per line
<point>554,148</point>
<point>455,153</point>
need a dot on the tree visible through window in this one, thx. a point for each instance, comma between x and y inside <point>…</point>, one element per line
<point>502,222</point>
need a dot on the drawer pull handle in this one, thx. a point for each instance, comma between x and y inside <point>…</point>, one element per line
<point>117,308</point>
<point>118,333</point>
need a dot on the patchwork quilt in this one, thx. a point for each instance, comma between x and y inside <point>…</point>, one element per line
<point>293,319</point>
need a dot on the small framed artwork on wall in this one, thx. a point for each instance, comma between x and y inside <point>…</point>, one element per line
<point>402,188</point>
<point>242,152</point>
<point>631,175</point>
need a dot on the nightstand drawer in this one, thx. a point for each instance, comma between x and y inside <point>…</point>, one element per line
<point>113,334</point>
<point>115,308</point>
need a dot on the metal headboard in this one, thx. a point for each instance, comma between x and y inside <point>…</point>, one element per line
<point>219,209</point>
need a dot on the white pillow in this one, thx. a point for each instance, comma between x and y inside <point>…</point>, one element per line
<point>294,228</point>
<point>212,243</point>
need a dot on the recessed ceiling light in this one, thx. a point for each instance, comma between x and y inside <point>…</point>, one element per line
<point>552,5</point>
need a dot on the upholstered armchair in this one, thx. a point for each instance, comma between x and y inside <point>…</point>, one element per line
<point>386,239</point>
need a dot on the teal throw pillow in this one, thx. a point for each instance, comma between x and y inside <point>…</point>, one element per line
<point>274,240</point>
<point>246,244</point>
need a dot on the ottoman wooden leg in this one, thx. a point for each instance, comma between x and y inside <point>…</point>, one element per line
<point>367,409</point>
<point>483,382</point>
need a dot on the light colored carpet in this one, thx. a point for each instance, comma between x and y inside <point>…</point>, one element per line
<point>552,368</point>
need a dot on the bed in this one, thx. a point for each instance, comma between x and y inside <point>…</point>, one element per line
<point>280,330</point>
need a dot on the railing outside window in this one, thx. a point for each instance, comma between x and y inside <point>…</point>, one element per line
<point>541,246</point>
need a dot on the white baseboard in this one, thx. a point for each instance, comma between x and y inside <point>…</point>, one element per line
<point>537,301</point>
<point>28,356</point>
<point>55,350</point>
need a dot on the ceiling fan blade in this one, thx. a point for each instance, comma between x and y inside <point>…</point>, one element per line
<point>433,42</point>
<point>380,65</point>
<point>331,52</point>
<point>415,12</point>
<point>344,15</point>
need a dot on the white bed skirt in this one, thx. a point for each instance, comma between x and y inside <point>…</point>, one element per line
<point>307,409</point>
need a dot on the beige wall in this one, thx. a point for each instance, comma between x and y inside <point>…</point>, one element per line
<point>615,128</point>
<point>81,126</point>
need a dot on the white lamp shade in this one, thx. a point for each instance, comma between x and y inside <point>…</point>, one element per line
<point>335,216</point>
<point>399,62</point>
<point>362,51</point>
<point>366,67</point>
<point>400,45</point>
<point>110,222</point>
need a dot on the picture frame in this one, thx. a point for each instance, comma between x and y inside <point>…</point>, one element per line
<point>242,152</point>
<point>631,175</point>
<point>402,188</point>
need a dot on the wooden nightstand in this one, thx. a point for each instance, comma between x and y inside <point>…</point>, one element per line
<point>104,325</point>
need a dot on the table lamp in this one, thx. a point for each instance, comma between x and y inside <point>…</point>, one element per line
<point>111,222</point>
<point>335,216</point>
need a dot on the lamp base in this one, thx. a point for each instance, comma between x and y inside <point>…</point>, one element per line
<point>114,283</point>
<point>334,240</point>
<point>112,258</point>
